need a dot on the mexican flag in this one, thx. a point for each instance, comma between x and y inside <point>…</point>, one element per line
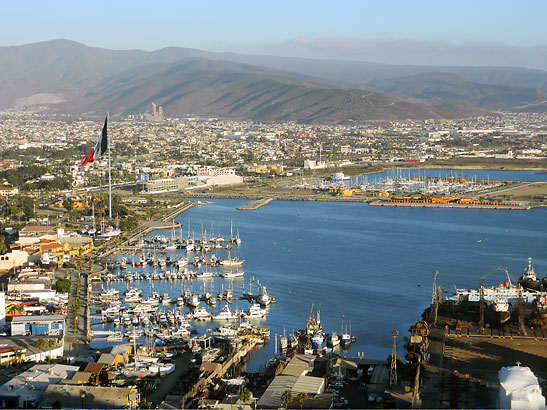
<point>100,147</point>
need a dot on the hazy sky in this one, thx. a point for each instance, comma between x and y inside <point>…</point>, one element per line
<point>479,32</point>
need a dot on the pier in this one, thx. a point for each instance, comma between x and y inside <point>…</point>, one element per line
<point>220,369</point>
<point>251,206</point>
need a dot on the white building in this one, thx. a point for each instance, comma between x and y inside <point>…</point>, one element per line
<point>219,180</point>
<point>519,389</point>
<point>312,164</point>
<point>13,259</point>
<point>26,389</point>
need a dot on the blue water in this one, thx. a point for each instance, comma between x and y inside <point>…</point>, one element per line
<point>371,265</point>
<point>367,263</point>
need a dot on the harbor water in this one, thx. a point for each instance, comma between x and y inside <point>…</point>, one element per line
<point>368,267</point>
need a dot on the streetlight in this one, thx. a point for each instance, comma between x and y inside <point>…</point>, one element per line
<point>82,396</point>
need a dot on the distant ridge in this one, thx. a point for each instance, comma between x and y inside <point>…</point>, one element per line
<point>188,81</point>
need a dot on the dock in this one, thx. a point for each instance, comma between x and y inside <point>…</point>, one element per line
<point>403,204</point>
<point>251,206</point>
<point>465,360</point>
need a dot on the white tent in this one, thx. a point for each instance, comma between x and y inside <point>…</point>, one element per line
<point>519,389</point>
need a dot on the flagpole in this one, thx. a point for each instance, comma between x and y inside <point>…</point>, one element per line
<point>109,182</point>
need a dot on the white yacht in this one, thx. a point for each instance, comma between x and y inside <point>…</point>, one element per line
<point>225,314</point>
<point>193,300</point>
<point>255,312</point>
<point>166,299</point>
<point>201,314</point>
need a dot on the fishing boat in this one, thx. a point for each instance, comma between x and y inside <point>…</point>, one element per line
<point>264,299</point>
<point>334,339</point>
<point>318,341</point>
<point>529,280</point>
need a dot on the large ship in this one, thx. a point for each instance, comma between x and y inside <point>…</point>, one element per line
<point>529,280</point>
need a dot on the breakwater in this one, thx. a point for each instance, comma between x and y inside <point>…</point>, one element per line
<point>251,206</point>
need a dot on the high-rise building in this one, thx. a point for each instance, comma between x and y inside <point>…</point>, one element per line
<point>160,113</point>
<point>154,113</point>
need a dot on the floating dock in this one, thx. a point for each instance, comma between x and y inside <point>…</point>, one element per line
<point>251,206</point>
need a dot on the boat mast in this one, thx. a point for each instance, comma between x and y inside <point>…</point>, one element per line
<point>109,181</point>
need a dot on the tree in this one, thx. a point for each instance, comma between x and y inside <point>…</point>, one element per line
<point>50,344</point>
<point>3,247</point>
<point>286,398</point>
<point>19,355</point>
<point>144,404</point>
<point>41,345</point>
<point>62,285</point>
<point>245,395</point>
<point>68,204</point>
<point>301,399</point>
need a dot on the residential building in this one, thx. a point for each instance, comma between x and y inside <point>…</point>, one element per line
<point>13,259</point>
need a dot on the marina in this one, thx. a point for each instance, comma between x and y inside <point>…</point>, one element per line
<point>315,250</point>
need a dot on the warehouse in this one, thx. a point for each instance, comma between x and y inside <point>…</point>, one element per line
<point>47,325</point>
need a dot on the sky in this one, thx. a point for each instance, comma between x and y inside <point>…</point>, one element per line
<point>479,32</point>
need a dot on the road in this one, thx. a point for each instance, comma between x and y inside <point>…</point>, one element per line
<point>182,365</point>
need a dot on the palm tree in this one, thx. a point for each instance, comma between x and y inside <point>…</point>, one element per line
<point>50,344</point>
<point>286,398</point>
<point>41,345</point>
<point>245,395</point>
<point>19,356</point>
<point>301,399</point>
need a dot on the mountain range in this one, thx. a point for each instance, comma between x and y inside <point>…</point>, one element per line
<point>70,77</point>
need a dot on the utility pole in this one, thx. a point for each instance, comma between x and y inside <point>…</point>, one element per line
<point>393,368</point>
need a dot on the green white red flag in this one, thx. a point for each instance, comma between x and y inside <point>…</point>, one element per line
<point>100,147</point>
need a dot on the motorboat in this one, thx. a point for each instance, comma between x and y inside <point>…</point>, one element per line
<point>225,314</point>
<point>255,312</point>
